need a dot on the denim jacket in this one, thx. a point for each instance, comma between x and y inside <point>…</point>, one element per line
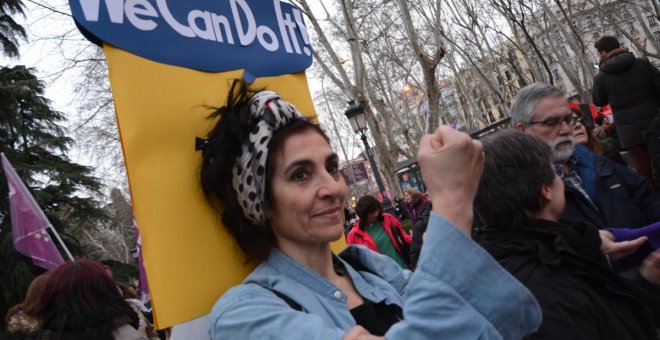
<point>458,291</point>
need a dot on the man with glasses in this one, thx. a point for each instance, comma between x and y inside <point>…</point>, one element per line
<point>597,191</point>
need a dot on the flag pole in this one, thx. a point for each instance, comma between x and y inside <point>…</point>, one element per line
<point>59,240</point>
<point>13,178</point>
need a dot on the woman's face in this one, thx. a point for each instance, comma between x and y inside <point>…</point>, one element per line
<point>580,133</point>
<point>307,192</point>
<point>407,198</point>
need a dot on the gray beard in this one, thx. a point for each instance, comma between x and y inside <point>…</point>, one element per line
<point>561,155</point>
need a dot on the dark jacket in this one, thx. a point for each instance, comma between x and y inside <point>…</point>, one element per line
<point>418,230</point>
<point>653,143</point>
<point>623,198</point>
<point>580,296</point>
<point>400,211</point>
<point>632,88</point>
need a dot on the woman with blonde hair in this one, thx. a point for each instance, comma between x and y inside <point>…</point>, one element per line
<point>419,210</point>
<point>20,318</point>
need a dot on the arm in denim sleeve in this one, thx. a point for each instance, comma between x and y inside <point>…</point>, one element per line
<point>457,292</point>
<point>460,291</point>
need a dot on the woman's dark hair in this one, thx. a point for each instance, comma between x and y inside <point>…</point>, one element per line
<point>223,146</point>
<point>366,205</point>
<point>81,301</point>
<point>593,143</point>
<point>517,166</point>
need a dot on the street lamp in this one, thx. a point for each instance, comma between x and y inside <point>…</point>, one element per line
<point>355,114</point>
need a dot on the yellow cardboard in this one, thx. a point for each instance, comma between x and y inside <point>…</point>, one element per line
<point>189,259</point>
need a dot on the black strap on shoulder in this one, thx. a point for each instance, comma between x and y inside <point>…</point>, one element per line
<point>289,301</point>
<point>355,263</point>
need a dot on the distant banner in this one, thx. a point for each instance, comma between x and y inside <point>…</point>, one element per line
<point>265,38</point>
<point>354,173</point>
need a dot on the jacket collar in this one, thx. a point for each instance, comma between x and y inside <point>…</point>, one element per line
<point>616,61</point>
<point>551,241</point>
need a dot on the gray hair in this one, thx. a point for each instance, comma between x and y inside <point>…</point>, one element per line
<point>524,105</point>
<point>517,166</point>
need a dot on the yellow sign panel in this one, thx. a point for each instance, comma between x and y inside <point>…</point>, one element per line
<point>189,258</point>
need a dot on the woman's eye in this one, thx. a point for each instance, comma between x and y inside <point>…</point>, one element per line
<point>299,175</point>
<point>333,168</point>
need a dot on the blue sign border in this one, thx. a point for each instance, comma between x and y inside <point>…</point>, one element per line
<point>266,38</point>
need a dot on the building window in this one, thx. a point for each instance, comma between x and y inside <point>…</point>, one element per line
<point>631,28</point>
<point>557,35</point>
<point>652,21</point>
<point>590,21</point>
<point>625,11</point>
<point>512,55</point>
<point>555,73</point>
<point>551,60</point>
<point>565,50</point>
<point>657,36</point>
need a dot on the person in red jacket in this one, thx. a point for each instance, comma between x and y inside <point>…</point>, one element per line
<point>380,232</point>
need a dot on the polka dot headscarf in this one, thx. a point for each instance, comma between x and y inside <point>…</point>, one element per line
<point>269,113</point>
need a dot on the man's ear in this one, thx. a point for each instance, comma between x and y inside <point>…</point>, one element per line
<point>521,127</point>
<point>545,194</point>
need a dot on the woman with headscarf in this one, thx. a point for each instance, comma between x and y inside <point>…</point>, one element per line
<point>277,178</point>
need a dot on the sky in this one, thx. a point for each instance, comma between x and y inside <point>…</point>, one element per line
<point>53,39</point>
<point>45,52</point>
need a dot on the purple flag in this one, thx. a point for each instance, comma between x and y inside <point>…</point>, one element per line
<point>28,223</point>
<point>144,284</point>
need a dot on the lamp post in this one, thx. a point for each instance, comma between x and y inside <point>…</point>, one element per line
<point>355,114</point>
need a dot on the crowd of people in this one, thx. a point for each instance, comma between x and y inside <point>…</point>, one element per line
<point>79,300</point>
<point>539,231</point>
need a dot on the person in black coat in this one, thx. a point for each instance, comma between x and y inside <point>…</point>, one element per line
<point>400,210</point>
<point>520,200</point>
<point>653,143</point>
<point>631,86</point>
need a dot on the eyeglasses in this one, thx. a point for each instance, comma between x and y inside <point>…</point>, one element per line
<point>556,121</point>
